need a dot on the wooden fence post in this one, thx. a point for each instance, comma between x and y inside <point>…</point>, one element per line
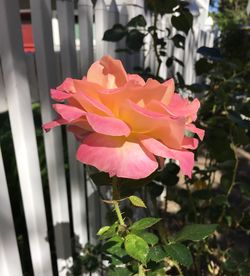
<point>3,103</point>
<point>113,18</point>
<point>85,18</point>
<point>101,23</point>
<point>32,76</point>
<point>45,59</point>
<point>9,255</point>
<point>23,131</point>
<point>123,19</point>
<point>65,10</point>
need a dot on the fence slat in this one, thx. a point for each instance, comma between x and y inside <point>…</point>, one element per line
<point>113,18</point>
<point>123,19</point>
<point>23,131</point>
<point>65,11</point>
<point>32,77</point>
<point>45,58</point>
<point>85,18</point>
<point>101,25</point>
<point>3,103</point>
<point>9,255</point>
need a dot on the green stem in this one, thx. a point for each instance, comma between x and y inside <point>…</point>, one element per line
<point>116,197</point>
<point>119,214</point>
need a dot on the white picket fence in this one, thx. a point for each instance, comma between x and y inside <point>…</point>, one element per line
<point>27,78</point>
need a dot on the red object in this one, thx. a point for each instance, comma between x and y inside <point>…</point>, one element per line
<point>28,41</point>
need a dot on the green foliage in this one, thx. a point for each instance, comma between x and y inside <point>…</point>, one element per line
<point>136,247</point>
<point>183,22</point>
<point>116,33</point>
<point>156,254</point>
<point>195,232</point>
<point>185,242</point>
<point>179,253</point>
<point>144,223</point>
<point>216,198</point>
<point>136,201</point>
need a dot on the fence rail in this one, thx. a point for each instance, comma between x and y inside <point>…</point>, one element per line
<point>26,78</point>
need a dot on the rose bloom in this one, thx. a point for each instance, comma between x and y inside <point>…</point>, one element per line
<point>124,123</point>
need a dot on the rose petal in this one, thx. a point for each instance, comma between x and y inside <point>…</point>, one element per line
<point>181,107</point>
<point>185,158</point>
<point>170,87</point>
<point>108,125</point>
<point>48,126</point>
<point>68,85</point>
<point>156,125</point>
<point>189,143</point>
<point>79,132</point>
<point>192,128</point>
<point>68,113</point>
<point>91,104</point>
<point>58,95</point>
<point>136,79</point>
<point>140,119</point>
<point>108,72</point>
<point>116,156</point>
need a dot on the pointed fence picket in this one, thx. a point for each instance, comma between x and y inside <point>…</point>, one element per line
<point>112,18</point>
<point>27,78</point>
<point>65,15</point>
<point>85,19</point>
<point>42,31</point>
<point>101,25</point>
<point>23,132</point>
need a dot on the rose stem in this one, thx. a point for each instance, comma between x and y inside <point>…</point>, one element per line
<point>116,197</point>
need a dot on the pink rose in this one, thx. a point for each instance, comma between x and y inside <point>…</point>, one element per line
<point>123,122</point>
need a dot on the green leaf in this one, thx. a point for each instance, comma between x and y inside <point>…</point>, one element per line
<point>134,40</point>
<point>156,254</point>
<point>150,238</point>
<point>138,20</point>
<point>144,223</point>
<point>136,201</point>
<point>114,247</point>
<point>103,230</point>
<point>119,271</point>
<point>112,244</point>
<point>195,232</point>
<point>136,248</point>
<point>183,22</point>
<point>202,66</point>
<point>210,53</point>
<point>116,33</point>
<point>110,232</point>
<point>180,253</point>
